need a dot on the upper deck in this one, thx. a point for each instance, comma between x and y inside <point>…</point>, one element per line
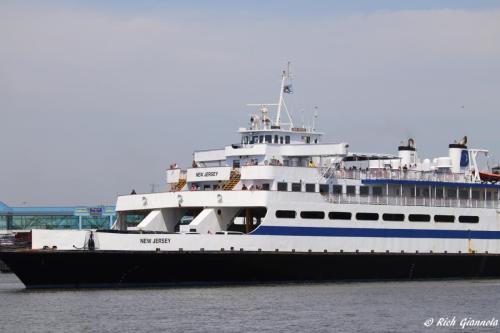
<point>276,155</point>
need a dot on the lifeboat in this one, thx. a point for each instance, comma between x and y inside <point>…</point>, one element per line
<point>489,177</point>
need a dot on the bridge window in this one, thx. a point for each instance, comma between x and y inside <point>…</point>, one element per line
<point>287,139</point>
<point>296,187</point>
<point>444,218</point>
<point>269,138</point>
<point>393,217</point>
<point>286,214</point>
<point>310,187</point>
<point>339,215</point>
<point>282,186</point>
<point>261,139</point>
<point>312,215</point>
<point>275,139</point>
<point>468,219</point>
<point>367,216</point>
<point>419,218</point>
<point>323,188</point>
<point>281,140</point>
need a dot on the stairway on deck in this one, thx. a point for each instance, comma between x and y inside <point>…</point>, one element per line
<point>233,180</point>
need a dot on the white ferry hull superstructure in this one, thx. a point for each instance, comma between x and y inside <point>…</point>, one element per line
<point>283,206</point>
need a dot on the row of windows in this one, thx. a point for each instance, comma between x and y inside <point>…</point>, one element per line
<point>438,193</point>
<point>265,139</point>
<point>336,189</point>
<point>297,187</point>
<point>291,214</point>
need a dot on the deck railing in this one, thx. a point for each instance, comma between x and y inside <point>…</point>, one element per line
<point>399,175</point>
<point>411,201</point>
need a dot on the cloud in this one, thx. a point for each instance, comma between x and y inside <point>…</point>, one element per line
<point>95,102</point>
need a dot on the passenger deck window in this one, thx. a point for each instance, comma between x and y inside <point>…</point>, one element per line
<point>282,186</point>
<point>269,138</point>
<point>312,215</point>
<point>281,140</point>
<point>451,193</point>
<point>323,188</point>
<point>377,190</point>
<point>419,218</point>
<point>444,218</point>
<point>364,190</point>
<point>350,190</point>
<point>339,215</point>
<point>367,216</point>
<point>287,139</point>
<point>393,217</point>
<point>464,194</point>
<point>468,219</point>
<point>337,189</point>
<point>296,187</point>
<point>275,139</point>
<point>310,187</point>
<point>286,214</point>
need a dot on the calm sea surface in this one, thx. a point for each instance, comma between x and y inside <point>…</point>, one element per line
<point>328,307</point>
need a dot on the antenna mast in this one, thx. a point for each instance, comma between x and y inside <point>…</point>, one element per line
<point>314,119</point>
<point>281,103</point>
<point>284,76</point>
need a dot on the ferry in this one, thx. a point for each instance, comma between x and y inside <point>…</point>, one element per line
<point>281,205</point>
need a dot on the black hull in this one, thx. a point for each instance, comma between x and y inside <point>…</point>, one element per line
<point>78,269</point>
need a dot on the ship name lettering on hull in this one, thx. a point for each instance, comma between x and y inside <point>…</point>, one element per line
<point>207,174</point>
<point>154,240</point>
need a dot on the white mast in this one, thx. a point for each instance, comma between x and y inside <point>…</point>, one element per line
<point>315,116</point>
<point>281,103</point>
<point>284,76</point>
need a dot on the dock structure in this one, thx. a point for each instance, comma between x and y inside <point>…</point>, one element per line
<point>24,218</point>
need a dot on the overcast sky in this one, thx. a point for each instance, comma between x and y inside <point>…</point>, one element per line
<point>99,97</point>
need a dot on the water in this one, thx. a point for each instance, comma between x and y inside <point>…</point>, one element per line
<point>327,307</point>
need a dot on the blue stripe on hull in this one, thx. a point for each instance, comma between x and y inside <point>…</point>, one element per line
<point>372,232</point>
